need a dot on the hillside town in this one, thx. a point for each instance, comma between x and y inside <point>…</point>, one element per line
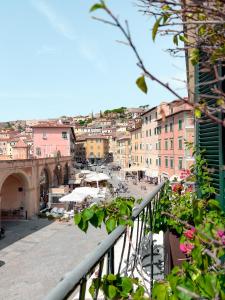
<point>111,199</point>
<point>149,141</point>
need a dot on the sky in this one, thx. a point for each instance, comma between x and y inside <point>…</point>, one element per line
<point>56,60</point>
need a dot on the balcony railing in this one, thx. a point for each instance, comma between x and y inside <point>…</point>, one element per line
<point>129,252</point>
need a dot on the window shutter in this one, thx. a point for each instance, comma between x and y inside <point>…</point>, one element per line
<point>208,133</point>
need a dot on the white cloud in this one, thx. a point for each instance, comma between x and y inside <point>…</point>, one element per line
<point>54,19</point>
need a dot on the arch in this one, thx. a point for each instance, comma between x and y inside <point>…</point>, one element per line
<point>44,183</point>
<point>57,176</point>
<point>15,192</point>
<point>66,174</point>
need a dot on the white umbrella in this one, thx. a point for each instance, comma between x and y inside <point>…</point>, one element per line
<point>85,171</point>
<point>96,177</point>
<point>79,194</point>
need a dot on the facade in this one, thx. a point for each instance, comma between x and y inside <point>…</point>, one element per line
<point>20,150</point>
<point>97,148</point>
<point>176,128</point>
<point>136,146</point>
<point>123,153</point>
<point>151,141</point>
<point>50,139</point>
<point>80,150</point>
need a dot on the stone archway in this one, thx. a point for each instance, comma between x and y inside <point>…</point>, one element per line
<point>44,182</point>
<point>57,176</point>
<point>15,196</point>
<point>66,173</point>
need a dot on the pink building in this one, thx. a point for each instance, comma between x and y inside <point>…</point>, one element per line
<point>20,150</point>
<point>175,128</point>
<point>50,139</point>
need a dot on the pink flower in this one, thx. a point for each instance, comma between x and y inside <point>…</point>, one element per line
<point>186,247</point>
<point>190,233</point>
<point>220,233</point>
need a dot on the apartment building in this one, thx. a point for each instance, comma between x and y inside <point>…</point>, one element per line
<point>51,139</point>
<point>97,148</point>
<point>176,128</point>
<point>123,153</point>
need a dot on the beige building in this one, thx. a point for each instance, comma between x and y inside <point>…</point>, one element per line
<point>123,152</point>
<point>97,147</point>
<point>151,142</point>
<point>136,146</point>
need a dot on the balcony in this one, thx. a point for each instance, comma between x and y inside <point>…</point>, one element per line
<point>133,260</point>
<point>134,253</point>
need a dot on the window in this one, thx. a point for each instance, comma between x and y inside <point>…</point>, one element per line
<point>166,128</point>
<point>180,163</point>
<point>171,110</point>
<point>156,161</point>
<point>166,144</point>
<point>159,160</point>
<point>155,130</point>
<point>147,161</point>
<point>146,120</point>
<point>156,146</point>
<point>171,144</point>
<point>171,163</point>
<point>180,143</point>
<point>180,125</point>
<point>64,135</point>
<point>140,146</point>
<point>159,145</point>
<point>156,115</point>
<point>166,162</point>
<point>171,127</point>
<point>150,132</point>
<point>141,159</point>
<point>150,118</point>
<point>146,133</point>
<point>38,151</point>
<point>150,161</point>
<point>44,136</point>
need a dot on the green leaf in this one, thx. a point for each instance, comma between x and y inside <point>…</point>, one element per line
<point>100,214</point>
<point>77,218</point>
<point>175,40</point>
<point>112,291</point>
<point>127,284</point>
<point>155,28</point>
<point>83,225</point>
<point>142,84</point>
<point>160,291</point>
<point>87,214</point>
<point>110,224</point>
<point>194,57</point>
<point>111,277</point>
<point>198,113</point>
<point>97,6</point>
<point>214,204</point>
<point>94,221</point>
<point>183,39</point>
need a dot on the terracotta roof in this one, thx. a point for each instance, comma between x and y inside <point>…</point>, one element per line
<point>97,137</point>
<point>20,144</point>
<point>51,125</point>
<point>175,113</point>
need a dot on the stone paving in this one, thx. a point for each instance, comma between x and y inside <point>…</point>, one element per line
<point>35,263</point>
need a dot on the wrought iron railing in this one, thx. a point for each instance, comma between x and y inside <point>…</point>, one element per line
<point>132,252</point>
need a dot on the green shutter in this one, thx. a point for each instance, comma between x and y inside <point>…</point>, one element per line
<point>209,133</point>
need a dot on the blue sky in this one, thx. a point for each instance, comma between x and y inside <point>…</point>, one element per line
<point>55,60</point>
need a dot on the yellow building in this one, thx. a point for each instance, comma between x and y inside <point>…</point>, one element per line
<point>97,148</point>
<point>123,158</point>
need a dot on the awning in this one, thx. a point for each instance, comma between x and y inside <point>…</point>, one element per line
<point>74,181</point>
<point>134,169</point>
<point>151,173</point>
